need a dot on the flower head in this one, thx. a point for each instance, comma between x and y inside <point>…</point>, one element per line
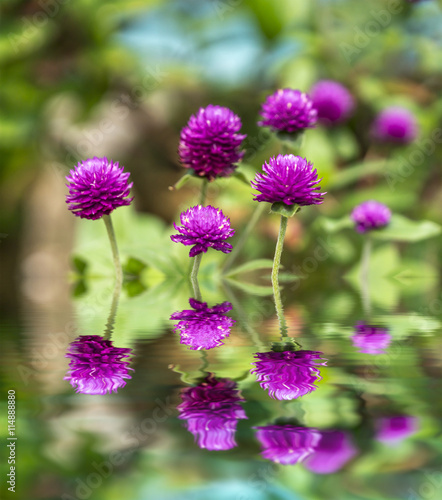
<point>287,444</point>
<point>212,410</point>
<point>289,111</point>
<point>288,374</point>
<point>371,339</point>
<point>392,430</point>
<point>289,179</point>
<point>210,143</point>
<point>96,366</point>
<point>97,186</point>
<point>333,101</point>
<point>370,215</point>
<point>333,451</point>
<point>203,327</point>
<point>395,124</point>
<point>204,227</point>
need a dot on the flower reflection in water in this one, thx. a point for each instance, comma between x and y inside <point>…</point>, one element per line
<point>202,327</point>
<point>392,430</point>
<point>96,366</point>
<point>212,410</point>
<point>288,374</point>
<point>370,339</point>
<point>287,444</point>
<point>333,451</point>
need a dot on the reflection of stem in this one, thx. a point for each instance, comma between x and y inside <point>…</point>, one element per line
<point>194,276</point>
<point>275,272</point>
<point>204,362</point>
<point>244,236</point>
<point>203,191</point>
<point>110,231</point>
<point>243,323</point>
<point>365,269</point>
<point>113,312</point>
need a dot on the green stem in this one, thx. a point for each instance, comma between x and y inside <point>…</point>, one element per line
<point>244,236</point>
<point>204,362</point>
<point>275,272</point>
<point>113,242</point>
<point>242,319</point>
<point>194,276</point>
<point>203,193</point>
<point>365,270</point>
<point>113,312</point>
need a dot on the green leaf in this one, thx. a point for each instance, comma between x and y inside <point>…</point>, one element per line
<point>251,266</point>
<point>184,179</point>
<point>352,174</point>
<point>241,176</point>
<point>335,225</point>
<point>286,210</point>
<point>252,288</point>
<point>134,266</point>
<point>79,264</point>
<point>403,229</point>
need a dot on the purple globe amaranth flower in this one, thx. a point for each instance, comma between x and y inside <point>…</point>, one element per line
<point>288,375</point>
<point>288,111</point>
<point>203,327</point>
<point>370,339</point>
<point>287,444</point>
<point>96,366</point>
<point>288,179</point>
<point>334,450</point>
<point>212,410</point>
<point>333,101</point>
<point>210,143</point>
<point>204,227</point>
<point>392,430</point>
<point>370,215</point>
<point>97,186</point>
<point>395,124</point>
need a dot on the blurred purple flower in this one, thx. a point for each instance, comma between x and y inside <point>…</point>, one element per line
<point>333,101</point>
<point>395,124</point>
<point>287,444</point>
<point>204,227</point>
<point>203,327</point>
<point>97,186</point>
<point>333,451</point>
<point>289,179</point>
<point>370,339</point>
<point>370,215</point>
<point>212,410</point>
<point>96,366</point>
<point>210,142</point>
<point>289,111</point>
<point>392,430</point>
<point>288,374</point>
